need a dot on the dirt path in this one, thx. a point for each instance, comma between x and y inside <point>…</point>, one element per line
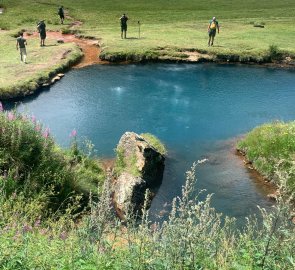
<point>89,47</point>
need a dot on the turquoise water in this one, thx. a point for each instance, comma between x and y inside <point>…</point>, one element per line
<point>198,111</point>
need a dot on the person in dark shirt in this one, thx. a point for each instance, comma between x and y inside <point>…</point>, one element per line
<point>21,43</point>
<point>42,31</point>
<point>61,14</point>
<point>123,21</point>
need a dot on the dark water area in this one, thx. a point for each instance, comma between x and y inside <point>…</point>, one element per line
<point>198,111</point>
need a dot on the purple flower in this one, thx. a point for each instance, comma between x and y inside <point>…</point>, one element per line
<point>46,133</point>
<point>73,133</point>
<point>38,127</point>
<point>63,235</point>
<point>10,116</point>
<point>1,107</point>
<point>34,119</point>
<point>27,228</point>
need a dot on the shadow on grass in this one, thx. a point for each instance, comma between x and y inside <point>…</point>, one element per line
<point>136,38</point>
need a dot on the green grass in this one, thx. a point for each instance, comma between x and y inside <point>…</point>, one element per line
<point>167,27</point>
<point>19,79</point>
<point>31,162</point>
<point>155,142</point>
<point>271,149</point>
<point>194,236</point>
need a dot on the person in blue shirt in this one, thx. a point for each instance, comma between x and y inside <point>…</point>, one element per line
<point>212,27</point>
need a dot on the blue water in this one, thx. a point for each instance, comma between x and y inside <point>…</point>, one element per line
<point>198,111</point>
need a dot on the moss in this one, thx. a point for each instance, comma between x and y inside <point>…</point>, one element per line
<point>155,142</point>
<point>123,165</point>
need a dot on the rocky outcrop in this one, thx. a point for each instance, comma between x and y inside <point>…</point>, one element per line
<point>139,166</point>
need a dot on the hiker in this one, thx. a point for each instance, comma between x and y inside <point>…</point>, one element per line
<point>21,43</point>
<point>213,25</point>
<point>123,21</point>
<point>61,14</point>
<point>42,31</point>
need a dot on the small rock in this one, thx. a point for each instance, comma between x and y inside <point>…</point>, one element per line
<point>55,79</point>
<point>45,84</point>
<point>60,75</point>
<point>60,40</point>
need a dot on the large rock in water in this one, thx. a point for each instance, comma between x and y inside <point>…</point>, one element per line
<point>141,168</point>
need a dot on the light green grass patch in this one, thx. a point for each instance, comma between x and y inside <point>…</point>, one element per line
<point>271,149</point>
<point>17,78</point>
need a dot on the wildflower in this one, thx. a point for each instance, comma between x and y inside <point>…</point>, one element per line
<point>34,119</point>
<point>1,107</point>
<point>38,127</point>
<point>10,116</point>
<point>63,235</point>
<point>27,228</point>
<point>46,133</point>
<point>73,133</point>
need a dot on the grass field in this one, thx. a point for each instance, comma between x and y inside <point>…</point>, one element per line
<point>165,26</point>
<point>17,78</point>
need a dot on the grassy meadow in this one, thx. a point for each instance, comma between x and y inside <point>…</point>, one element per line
<point>19,79</point>
<point>168,23</point>
<point>166,27</point>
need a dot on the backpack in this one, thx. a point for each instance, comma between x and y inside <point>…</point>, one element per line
<point>213,25</point>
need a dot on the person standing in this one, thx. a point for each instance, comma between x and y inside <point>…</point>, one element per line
<point>42,31</point>
<point>123,21</point>
<point>213,25</point>
<point>21,43</point>
<point>61,14</point>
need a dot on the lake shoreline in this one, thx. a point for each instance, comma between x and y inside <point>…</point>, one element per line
<point>91,54</point>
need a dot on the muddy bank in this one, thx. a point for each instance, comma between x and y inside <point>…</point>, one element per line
<point>267,185</point>
<point>89,47</point>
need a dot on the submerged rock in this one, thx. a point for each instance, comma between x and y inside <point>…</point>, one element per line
<point>139,166</point>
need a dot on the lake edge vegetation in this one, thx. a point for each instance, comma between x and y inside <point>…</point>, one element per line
<point>33,232</point>
<point>270,149</point>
